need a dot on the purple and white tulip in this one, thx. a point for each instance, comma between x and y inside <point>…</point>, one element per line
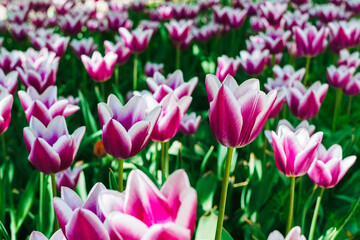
<point>100,68</point>
<point>123,53</point>
<point>339,77</point>
<point>310,41</point>
<point>254,63</point>
<point>227,66</point>
<point>151,68</point>
<point>190,124</point>
<point>85,46</point>
<point>136,40</point>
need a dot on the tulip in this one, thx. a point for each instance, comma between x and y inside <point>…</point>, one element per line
<point>254,63</point>
<point>58,235</point>
<point>184,10</point>
<point>9,81</point>
<point>68,178</point>
<point>148,24</point>
<point>227,66</point>
<point>45,106</point>
<point>117,20</point>
<point>19,31</point>
<point>78,219</point>
<point>171,214</point>
<point>126,129</point>
<point>72,24</point>
<point>51,148</point>
<point>138,5</point>
<point>174,83</point>
<point>275,40</point>
<point>9,60</point>
<point>294,234</point>
<point>123,53</point>
<point>138,40</point>
<point>288,72</point>
<point>6,102</point>
<point>280,100</point>
<point>273,12</point>
<point>258,24</point>
<point>344,35</point>
<point>57,44</point>
<point>310,41</point>
<point>38,19</point>
<point>204,33</point>
<point>352,88</point>
<point>99,68</point>
<point>190,124</point>
<point>296,19</point>
<point>305,103</point>
<point>85,46</point>
<point>151,68</point>
<point>294,153</point>
<point>229,102</point>
<point>347,59</point>
<point>18,16</point>
<point>327,13</point>
<point>178,30</point>
<point>255,43</point>
<point>339,77</point>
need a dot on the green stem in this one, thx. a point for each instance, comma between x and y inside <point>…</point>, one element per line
<point>135,73</point>
<point>265,142</point>
<point>116,75</point>
<point>162,160</point>
<point>337,105</point>
<point>84,81</point>
<point>291,206</point>
<point>347,219</point>
<point>308,58</point>
<point>53,186</point>
<point>313,222</point>
<point>120,174</point>
<point>273,60</point>
<point>224,193</point>
<point>3,148</point>
<point>41,201</point>
<point>3,181</point>
<point>167,144</point>
<point>233,41</point>
<point>292,60</point>
<point>178,52</point>
<point>102,86</point>
<point>349,106</point>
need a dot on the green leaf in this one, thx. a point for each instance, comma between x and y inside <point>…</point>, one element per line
<point>146,171</point>
<point>206,227</point>
<point>206,159</point>
<point>112,181</point>
<point>330,233</point>
<point>88,117</point>
<point>27,199</point>
<point>3,231</point>
<point>118,94</point>
<point>98,94</point>
<point>225,235</point>
<point>81,186</point>
<point>206,188</point>
<point>222,158</point>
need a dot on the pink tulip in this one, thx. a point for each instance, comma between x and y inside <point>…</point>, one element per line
<point>138,40</point>
<point>99,68</point>
<point>258,24</point>
<point>57,44</point>
<point>144,212</point>
<point>294,234</point>
<point>6,102</point>
<point>280,101</point>
<point>18,16</point>
<point>9,60</point>
<point>339,77</point>
<point>237,113</point>
<point>38,19</point>
<point>190,124</point>
<point>68,178</point>
<point>344,35</point>
<point>52,149</point>
<point>78,219</point>
<point>45,106</point>
<point>126,129</point>
<point>72,25</point>
<point>294,152</point>
<point>85,46</point>
<point>273,12</point>
<point>254,63</point>
<point>204,33</point>
<point>184,10</point>
<point>229,16</point>
<point>151,68</point>
<point>179,31</point>
<point>305,103</point>
<point>296,19</point>
<point>19,31</point>
<point>255,43</point>
<point>9,81</point>
<point>348,60</point>
<point>330,167</point>
<point>117,20</point>
<point>327,13</point>
<point>138,5</point>
<point>310,41</point>
<point>275,40</point>
<point>227,66</point>
<point>123,53</point>
<point>352,88</point>
<point>63,6</point>
<point>174,83</point>
<point>58,235</point>
<point>148,24</point>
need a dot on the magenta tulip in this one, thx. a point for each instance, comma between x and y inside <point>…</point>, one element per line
<point>72,24</point>
<point>68,178</point>
<point>294,152</point>
<point>19,31</point>
<point>58,235</point>
<point>275,40</point>
<point>9,61</point>
<point>348,60</point>
<point>352,88</point>
<point>294,234</point>
<point>344,35</point>
<point>190,124</point>
<point>273,12</point>
<point>6,102</point>
<point>117,20</point>
<point>136,40</point>
<point>258,24</point>
<point>339,77</point>
<point>179,31</point>
<point>51,148</point>
<point>9,81</point>
<point>57,44</point>
<point>296,19</point>
<point>126,129</point>
<point>123,53</point>
<point>100,68</point>
<point>254,63</point>
<point>151,68</point>
<point>237,112</point>
<point>227,66</point>
<point>310,41</point>
<point>85,46</point>
<point>330,167</point>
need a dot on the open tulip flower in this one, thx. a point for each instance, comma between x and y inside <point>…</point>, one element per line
<point>9,81</point>
<point>273,12</point>
<point>227,66</point>
<point>100,68</point>
<point>9,60</point>
<point>52,149</point>
<point>45,106</point>
<point>305,103</point>
<point>347,59</point>
<point>352,88</point>
<point>339,77</point>
<point>294,234</point>
<point>171,214</point>
<point>344,35</point>
<point>126,129</point>
<point>137,40</point>
<point>179,30</point>
<point>237,112</point>
<point>117,20</point>
<point>123,53</point>
<point>19,31</point>
<point>58,235</point>
<point>151,68</point>
<point>254,63</point>
<point>275,40</point>
<point>190,124</point>
<point>174,83</point>
<point>85,46</point>
<point>72,24</point>
<point>329,167</point>
<point>57,44</point>
<point>6,102</point>
<point>309,41</point>
<point>68,178</point>
<point>294,151</point>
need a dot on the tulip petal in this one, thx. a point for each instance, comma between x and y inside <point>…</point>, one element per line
<point>168,231</point>
<point>43,157</point>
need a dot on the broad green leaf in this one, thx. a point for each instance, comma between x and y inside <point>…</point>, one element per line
<point>207,226</point>
<point>4,233</point>
<point>206,188</point>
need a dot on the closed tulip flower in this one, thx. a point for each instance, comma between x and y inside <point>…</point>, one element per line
<point>123,53</point>
<point>85,46</point>
<point>58,235</point>
<point>305,103</point>
<point>237,112</point>
<point>57,44</point>
<point>6,102</point>
<point>275,40</point>
<point>68,178</point>
<point>9,81</point>
<point>254,63</point>
<point>329,167</point>
<point>52,149</point>
<point>151,68</point>
<point>9,61</point>
<point>273,12</point>
<point>344,35</point>
<point>347,59</point>
<point>126,129</point>
<point>227,66</point>
<point>352,88</point>
<point>309,41</point>
<point>294,151</point>
<point>179,30</point>
<point>171,214</point>
<point>100,68</point>
<point>339,77</point>
<point>294,234</point>
<point>136,40</point>
<point>190,124</point>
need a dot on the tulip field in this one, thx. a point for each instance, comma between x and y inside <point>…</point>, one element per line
<point>179,120</point>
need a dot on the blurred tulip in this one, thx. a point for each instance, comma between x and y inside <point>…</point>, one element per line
<point>339,77</point>
<point>9,60</point>
<point>347,59</point>
<point>70,24</point>
<point>275,40</point>
<point>294,234</point>
<point>310,41</point>
<point>184,10</point>
<point>344,35</point>
<point>58,235</point>
<point>190,124</point>
<point>85,46</point>
<point>227,66</point>
<point>179,31</point>
<point>171,214</point>
<point>19,31</point>
<point>237,113</point>
<point>6,102</point>
<point>126,129</point>
<point>68,178</point>
<point>117,20</point>
<point>254,63</point>
<point>57,44</point>
<point>273,12</point>
<point>9,81</point>
<point>138,5</point>
<point>329,167</point>
<point>229,16</point>
<point>255,43</point>
<point>305,103</point>
<point>123,53</point>
<point>138,40</point>
<point>258,24</point>
<point>99,68</point>
<point>294,152</point>
<point>296,19</point>
<point>352,88</point>
<point>280,101</point>
<point>148,24</point>
<point>51,148</point>
<point>151,68</point>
